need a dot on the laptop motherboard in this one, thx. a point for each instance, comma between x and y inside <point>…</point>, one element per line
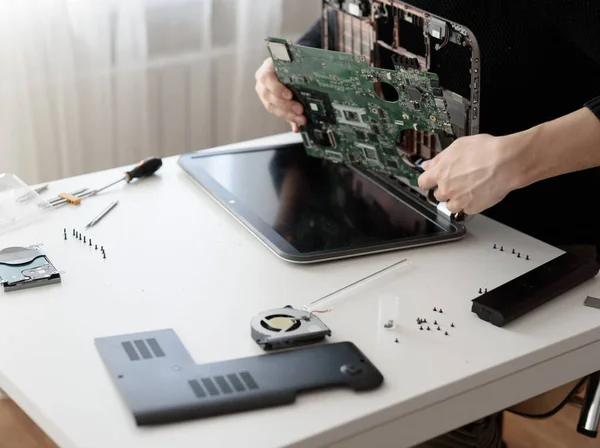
<point>389,121</point>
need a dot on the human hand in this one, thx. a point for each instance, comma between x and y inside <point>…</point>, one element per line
<point>476,172</point>
<point>276,98</point>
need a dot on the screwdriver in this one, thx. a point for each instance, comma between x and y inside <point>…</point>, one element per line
<point>145,168</point>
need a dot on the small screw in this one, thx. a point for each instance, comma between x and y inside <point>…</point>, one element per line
<point>104,255</point>
<point>434,309</point>
<point>494,245</point>
<point>424,321</point>
<point>485,290</point>
<point>84,240</point>
<point>501,248</point>
<point>519,255</point>
<point>446,334</point>
<point>90,243</point>
<point>527,257</point>
<point>513,251</point>
<point>73,232</point>
<point>480,291</point>
<point>102,248</point>
<point>452,325</point>
<point>65,236</point>
<point>439,328</point>
<point>435,323</point>
<point>396,341</point>
<point>421,327</point>
<point>441,312</point>
<point>80,237</point>
<point>428,329</point>
<point>96,247</point>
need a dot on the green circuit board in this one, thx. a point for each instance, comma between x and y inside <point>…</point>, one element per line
<point>389,121</point>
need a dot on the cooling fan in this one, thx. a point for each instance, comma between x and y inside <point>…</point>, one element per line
<point>287,327</point>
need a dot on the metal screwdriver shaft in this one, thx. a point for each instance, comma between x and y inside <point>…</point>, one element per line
<point>145,168</point>
<point>105,212</point>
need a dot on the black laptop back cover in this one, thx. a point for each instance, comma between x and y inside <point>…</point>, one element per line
<point>161,383</point>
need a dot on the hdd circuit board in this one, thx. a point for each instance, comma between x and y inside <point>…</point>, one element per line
<point>388,121</point>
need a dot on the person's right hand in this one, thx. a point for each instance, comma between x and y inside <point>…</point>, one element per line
<point>276,98</point>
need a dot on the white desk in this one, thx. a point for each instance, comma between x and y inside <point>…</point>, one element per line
<point>176,260</point>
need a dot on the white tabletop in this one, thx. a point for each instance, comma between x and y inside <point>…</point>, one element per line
<point>176,260</point>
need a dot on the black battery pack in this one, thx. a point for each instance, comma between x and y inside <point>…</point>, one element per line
<point>534,288</point>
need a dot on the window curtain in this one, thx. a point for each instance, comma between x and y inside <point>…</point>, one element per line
<point>87,85</point>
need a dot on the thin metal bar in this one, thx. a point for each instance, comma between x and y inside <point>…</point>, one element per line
<point>87,194</point>
<point>104,212</point>
<point>368,277</point>
<point>74,193</point>
<point>110,185</point>
<point>80,196</point>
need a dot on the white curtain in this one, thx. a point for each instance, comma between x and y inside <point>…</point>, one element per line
<point>92,84</point>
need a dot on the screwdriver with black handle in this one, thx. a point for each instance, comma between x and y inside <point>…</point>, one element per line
<point>145,168</point>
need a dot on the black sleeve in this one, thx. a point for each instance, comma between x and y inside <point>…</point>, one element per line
<point>594,106</point>
<point>578,21</point>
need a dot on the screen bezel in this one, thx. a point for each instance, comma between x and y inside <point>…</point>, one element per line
<point>451,231</point>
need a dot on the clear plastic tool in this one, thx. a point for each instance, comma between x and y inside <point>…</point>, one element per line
<point>20,204</point>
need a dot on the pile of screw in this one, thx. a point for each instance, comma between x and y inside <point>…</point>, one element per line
<point>420,322</point>
<point>79,236</point>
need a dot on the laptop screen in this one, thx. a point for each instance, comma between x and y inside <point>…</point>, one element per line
<point>313,204</point>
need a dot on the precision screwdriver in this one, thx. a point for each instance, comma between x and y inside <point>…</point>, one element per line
<point>145,168</point>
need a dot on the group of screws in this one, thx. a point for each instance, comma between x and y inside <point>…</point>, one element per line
<point>483,292</point>
<point>420,323</point>
<point>513,252</point>
<point>85,240</point>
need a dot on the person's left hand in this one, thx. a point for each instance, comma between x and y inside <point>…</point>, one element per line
<point>473,173</point>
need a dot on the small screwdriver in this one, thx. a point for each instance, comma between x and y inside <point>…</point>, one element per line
<point>145,168</point>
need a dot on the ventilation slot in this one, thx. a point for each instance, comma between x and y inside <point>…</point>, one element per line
<point>248,380</point>
<point>146,349</point>
<point>155,348</point>
<point>223,385</point>
<point>198,391</point>
<point>235,382</point>
<point>210,386</point>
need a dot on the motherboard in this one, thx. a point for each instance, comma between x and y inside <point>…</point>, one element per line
<point>388,121</point>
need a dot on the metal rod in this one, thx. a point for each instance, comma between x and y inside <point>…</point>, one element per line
<point>368,277</point>
<point>104,212</point>
<point>88,194</point>
<point>62,201</point>
<point>59,200</point>
<point>110,185</point>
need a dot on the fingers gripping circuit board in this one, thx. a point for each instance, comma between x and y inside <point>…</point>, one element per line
<point>360,114</point>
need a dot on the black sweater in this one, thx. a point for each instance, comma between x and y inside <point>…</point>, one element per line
<point>540,60</point>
